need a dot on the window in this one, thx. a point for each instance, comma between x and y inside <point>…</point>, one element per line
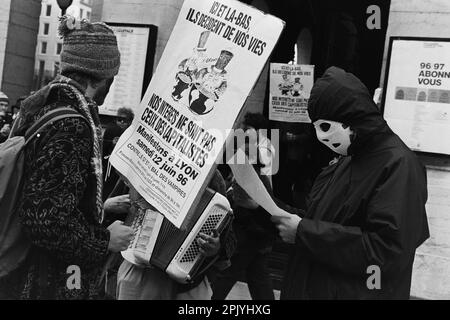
<point>41,73</point>
<point>49,10</point>
<point>46,28</point>
<point>41,66</point>
<point>88,15</point>
<point>44,47</point>
<point>81,13</point>
<point>58,48</point>
<point>56,69</point>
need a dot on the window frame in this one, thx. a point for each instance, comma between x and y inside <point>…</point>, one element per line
<point>44,44</point>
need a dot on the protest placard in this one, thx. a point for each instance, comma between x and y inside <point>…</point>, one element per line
<point>290,87</point>
<point>211,62</point>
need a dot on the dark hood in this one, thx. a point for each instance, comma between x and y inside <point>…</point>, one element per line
<point>340,96</point>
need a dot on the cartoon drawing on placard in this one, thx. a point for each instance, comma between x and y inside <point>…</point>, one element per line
<point>188,68</point>
<point>297,88</point>
<point>286,85</point>
<point>210,85</point>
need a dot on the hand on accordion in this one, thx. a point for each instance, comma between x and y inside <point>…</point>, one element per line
<point>209,244</point>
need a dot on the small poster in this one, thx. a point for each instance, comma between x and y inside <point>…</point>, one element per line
<point>210,64</point>
<point>290,87</point>
<point>417,93</point>
<point>126,90</point>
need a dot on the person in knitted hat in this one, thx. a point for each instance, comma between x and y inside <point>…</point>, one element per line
<point>61,207</point>
<point>90,55</point>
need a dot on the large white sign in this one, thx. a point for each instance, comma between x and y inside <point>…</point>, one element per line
<point>417,94</point>
<point>126,90</point>
<point>290,88</point>
<point>210,64</point>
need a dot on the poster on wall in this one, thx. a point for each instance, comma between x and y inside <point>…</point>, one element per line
<point>210,64</point>
<point>290,87</point>
<point>416,101</point>
<point>136,54</point>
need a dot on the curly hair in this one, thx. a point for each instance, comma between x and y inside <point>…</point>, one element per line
<point>127,112</point>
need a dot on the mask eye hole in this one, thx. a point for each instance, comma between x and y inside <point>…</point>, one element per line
<point>325,126</point>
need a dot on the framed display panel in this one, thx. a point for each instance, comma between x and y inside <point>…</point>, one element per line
<point>416,94</point>
<point>137,43</point>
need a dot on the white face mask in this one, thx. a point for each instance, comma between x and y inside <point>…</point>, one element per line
<point>334,135</point>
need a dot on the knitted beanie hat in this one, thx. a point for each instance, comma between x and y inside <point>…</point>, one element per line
<point>90,48</point>
<point>4,97</point>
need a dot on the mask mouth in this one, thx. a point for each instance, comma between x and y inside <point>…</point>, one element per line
<point>336,145</point>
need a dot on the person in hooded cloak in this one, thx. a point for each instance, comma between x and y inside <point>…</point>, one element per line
<point>366,211</point>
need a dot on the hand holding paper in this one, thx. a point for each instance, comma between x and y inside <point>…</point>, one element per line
<point>287,227</point>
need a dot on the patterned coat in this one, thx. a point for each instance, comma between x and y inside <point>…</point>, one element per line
<point>57,211</point>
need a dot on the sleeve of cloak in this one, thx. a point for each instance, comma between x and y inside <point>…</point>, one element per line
<point>395,225</point>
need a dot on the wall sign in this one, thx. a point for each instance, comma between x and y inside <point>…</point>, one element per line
<point>416,99</point>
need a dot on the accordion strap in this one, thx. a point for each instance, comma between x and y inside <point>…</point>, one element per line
<point>209,265</point>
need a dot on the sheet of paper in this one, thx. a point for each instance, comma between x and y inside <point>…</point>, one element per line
<point>248,179</point>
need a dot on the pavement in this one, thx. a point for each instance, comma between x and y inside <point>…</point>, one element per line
<point>240,292</point>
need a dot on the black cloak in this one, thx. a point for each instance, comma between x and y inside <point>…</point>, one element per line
<point>368,209</point>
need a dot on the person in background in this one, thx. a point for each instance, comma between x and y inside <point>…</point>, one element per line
<point>115,192</point>
<point>4,102</point>
<point>5,127</point>
<point>5,117</point>
<point>124,118</point>
<point>16,108</point>
<point>254,231</point>
<point>366,211</point>
<point>61,209</point>
<point>111,135</point>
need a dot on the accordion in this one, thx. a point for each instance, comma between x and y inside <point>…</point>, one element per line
<point>158,243</point>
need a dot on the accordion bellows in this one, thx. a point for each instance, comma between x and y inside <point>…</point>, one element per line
<point>158,243</point>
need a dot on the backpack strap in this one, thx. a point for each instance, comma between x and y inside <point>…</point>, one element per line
<point>48,118</point>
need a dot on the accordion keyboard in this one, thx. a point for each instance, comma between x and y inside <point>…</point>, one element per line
<point>210,224</point>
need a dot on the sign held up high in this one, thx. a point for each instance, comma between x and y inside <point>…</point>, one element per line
<point>211,62</point>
